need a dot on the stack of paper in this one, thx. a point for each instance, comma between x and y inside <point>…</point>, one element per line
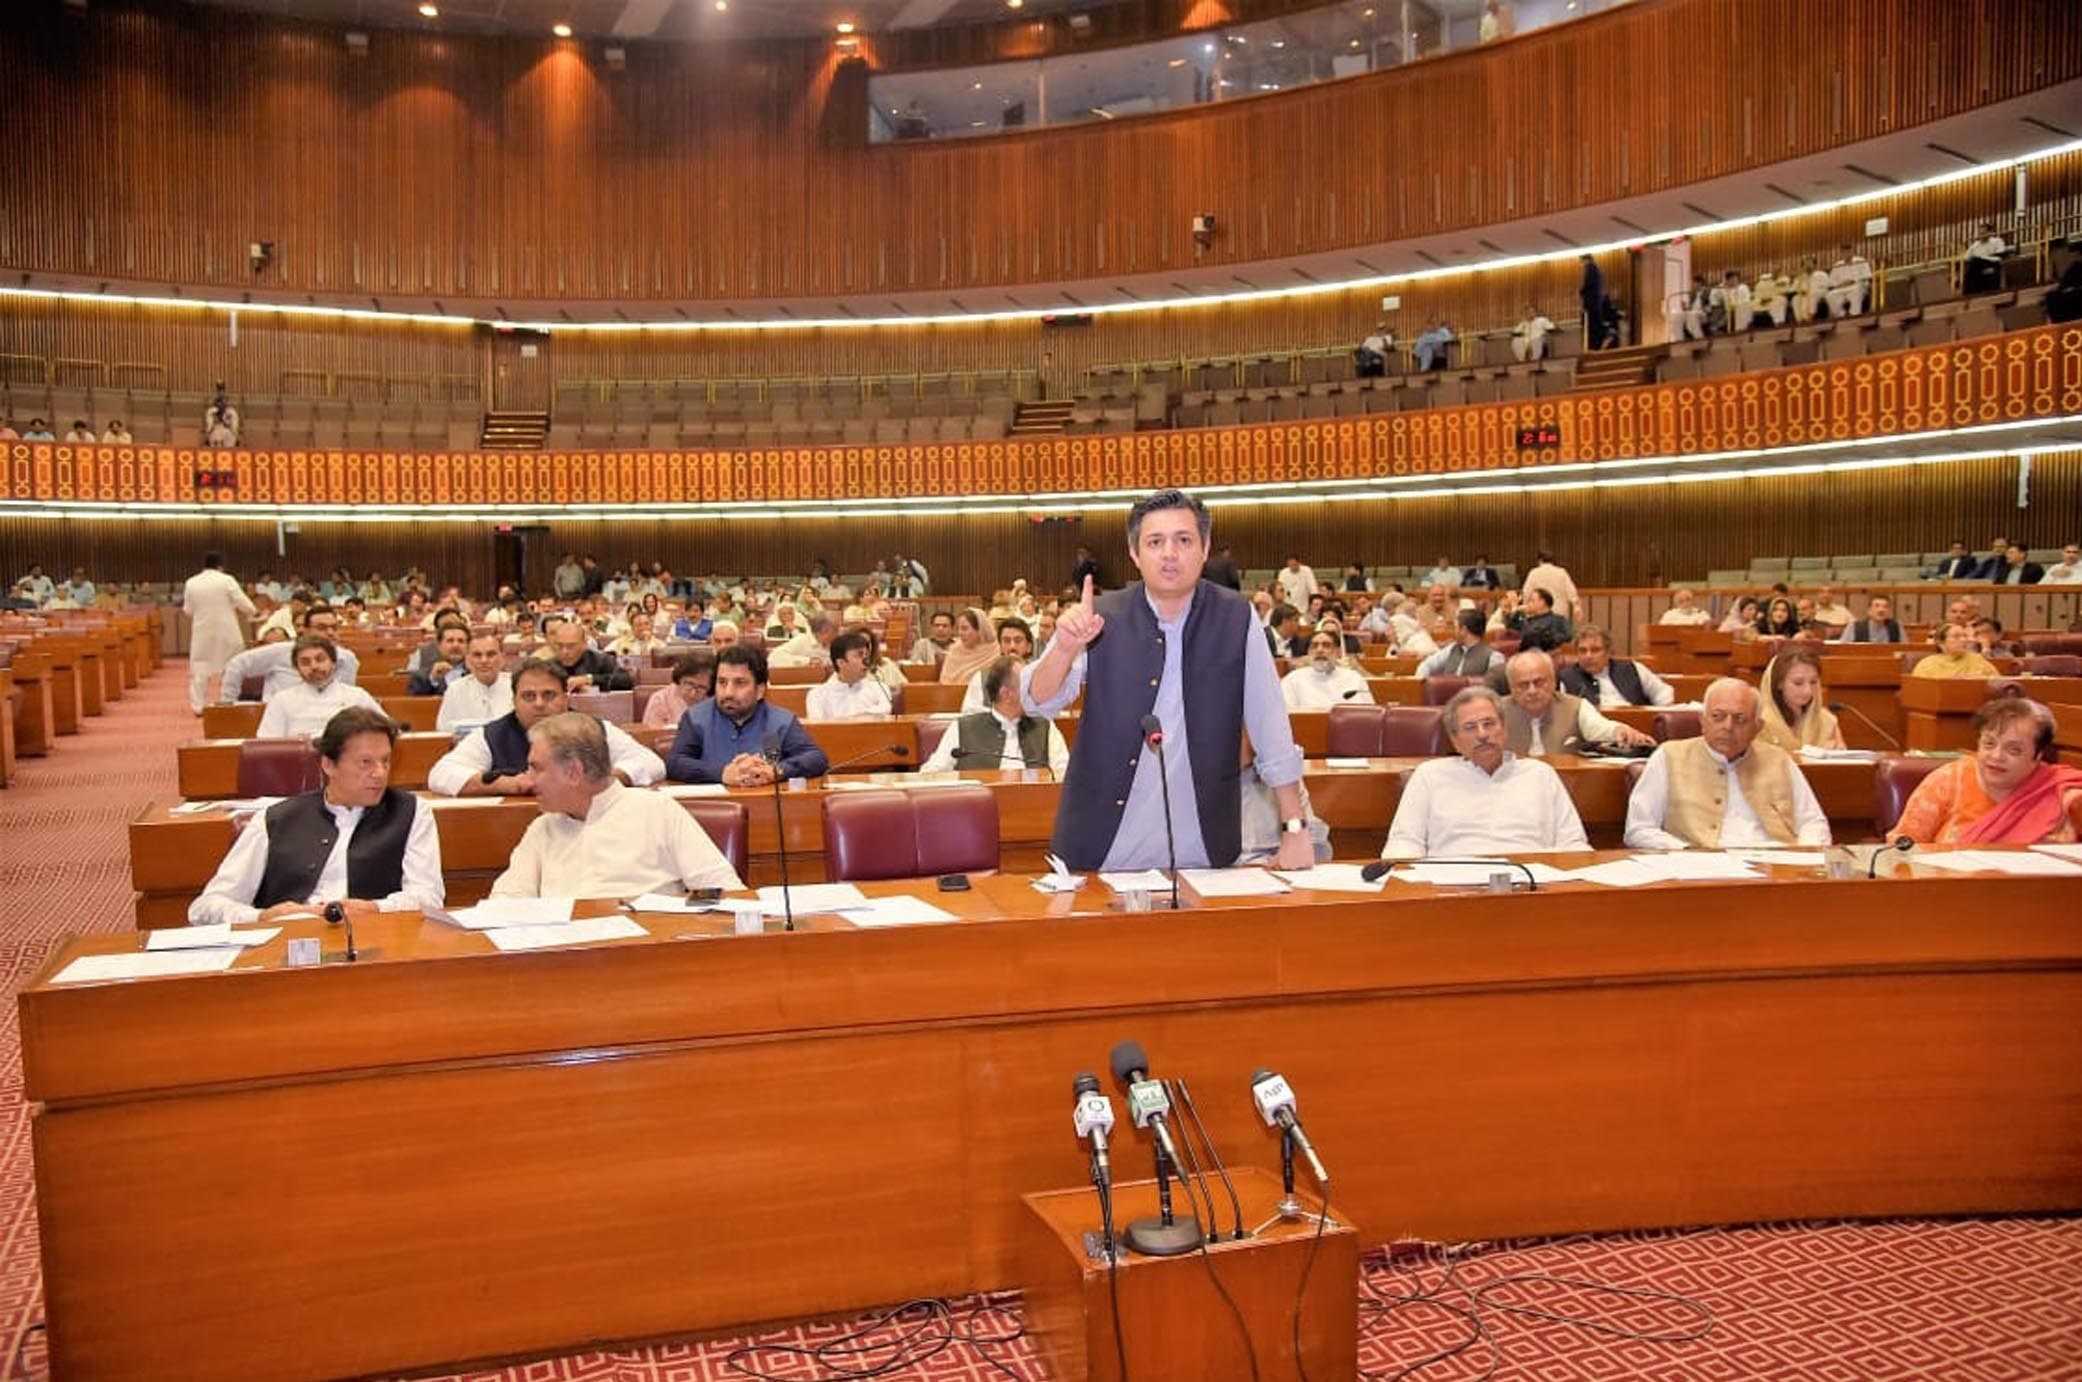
<point>1684,866</point>
<point>551,934</point>
<point>2022,863</point>
<point>1334,878</point>
<point>900,910</point>
<point>1243,882</point>
<point>1348,762</point>
<point>1146,880</point>
<point>682,790</point>
<point>145,964</point>
<point>208,937</point>
<point>495,912</point>
<point>1473,873</point>
<point>807,898</point>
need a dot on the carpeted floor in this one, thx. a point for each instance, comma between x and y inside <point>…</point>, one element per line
<point>1935,1301</point>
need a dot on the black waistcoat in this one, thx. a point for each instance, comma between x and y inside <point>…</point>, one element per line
<point>300,838</point>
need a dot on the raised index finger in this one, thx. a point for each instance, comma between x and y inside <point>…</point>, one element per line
<point>1087,592</point>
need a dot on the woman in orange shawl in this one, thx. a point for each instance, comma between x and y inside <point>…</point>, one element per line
<point>2007,792</point>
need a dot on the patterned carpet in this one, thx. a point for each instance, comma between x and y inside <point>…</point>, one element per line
<point>1925,1301</point>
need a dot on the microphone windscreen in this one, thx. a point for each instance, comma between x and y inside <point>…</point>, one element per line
<point>1376,871</point>
<point>1128,1058</point>
<point>1838,705</point>
<point>898,750</point>
<point>1085,1083</point>
<point>1152,725</point>
<point>1260,1076</point>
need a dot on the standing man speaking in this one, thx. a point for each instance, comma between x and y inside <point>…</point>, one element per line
<point>1192,654</point>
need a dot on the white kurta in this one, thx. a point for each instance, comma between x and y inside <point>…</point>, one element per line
<point>214,603</point>
<point>631,842</point>
<point>1305,688</point>
<point>1450,806</point>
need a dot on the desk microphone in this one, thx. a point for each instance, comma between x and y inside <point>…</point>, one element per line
<point>1153,736</point>
<point>1846,708</point>
<point>893,750</point>
<point>337,915</point>
<point>1093,1119</point>
<point>1349,694</point>
<point>1900,843</point>
<point>770,749</point>
<point>1380,868</point>
<point>1275,1100</point>
<point>1166,1235</point>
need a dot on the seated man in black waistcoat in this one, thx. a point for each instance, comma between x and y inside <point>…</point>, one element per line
<point>1003,736</point>
<point>357,841</point>
<point>1604,680</point>
<point>493,761</point>
<point>1190,655</point>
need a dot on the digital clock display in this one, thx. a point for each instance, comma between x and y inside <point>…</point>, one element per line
<point>1533,438</point>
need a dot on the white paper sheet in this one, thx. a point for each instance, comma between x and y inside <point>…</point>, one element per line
<point>1543,874</point>
<point>1783,858</point>
<point>207,937</point>
<point>1682,866</point>
<point>144,964</point>
<point>2023,863</point>
<point>581,932</point>
<point>1469,875</point>
<point>678,790</point>
<point>1816,754</point>
<point>1619,873</point>
<point>812,897</point>
<point>1348,762</point>
<point>1240,882</point>
<point>1333,878</point>
<point>2072,852</point>
<point>513,911</point>
<point>1148,880</point>
<point>901,910</point>
<point>1059,882</point>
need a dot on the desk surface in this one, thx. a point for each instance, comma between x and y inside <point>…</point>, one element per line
<point>486,1154</point>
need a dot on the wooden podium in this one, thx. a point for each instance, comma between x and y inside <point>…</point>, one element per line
<point>1173,1320</point>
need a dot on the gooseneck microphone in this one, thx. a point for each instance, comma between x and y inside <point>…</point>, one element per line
<point>1380,868</point>
<point>1093,1119</point>
<point>1166,1235</point>
<point>1153,735</point>
<point>1900,843</point>
<point>770,749</point>
<point>1846,708</point>
<point>336,914</point>
<point>893,750</point>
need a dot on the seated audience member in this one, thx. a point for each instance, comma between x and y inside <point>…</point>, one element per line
<point>1283,632</point>
<point>1498,21</point>
<point>1468,655</point>
<point>1988,639</point>
<point>810,646</point>
<point>1323,680</point>
<point>1830,611</point>
<point>597,838</point>
<point>1958,658</point>
<point>1603,679</point>
<point>723,633</point>
<point>80,433</point>
<point>1432,345</point>
<point>937,639</point>
<point>1260,824</point>
<point>1540,721</point>
<point>2011,791</point>
<point>1485,799</point>
<point>1003,735</point>
<point>1686,315</point>
<point>1529,337</point>
<point>451,644</point>
<point>641,640</point>
<point>1410,629</point>
<point>1878,625</point>
<point>585,669</point>
<point>1771,297</point>
<point>1850,283</point>
<point>1685,611</point>
<point>973,648</point>
<point>1996,563</point>
<point>1370,361</point>
<point>1810,292</point>
<point>1795,710</point>
<point>784,623</point>
<point>483,693</point>
<point>1481,576</point>
<point>1444,575</point>
<point>1724,790</point>
<point>300,711</point>
<point>1536,624</point>
<point>692,677</point>
<point>1980,270</point>
<point>38,430</point>
<point>493,761</point>
<point>1959,564</point>
<point>1742,617</point>
<point>725,738</point>
<point>849,693</point>
<point>1779,620</point>
<point>2017,568</point>
<point>1500,617</point>
<point>357,840</point>
<point>1357,582</point>
<point>274,660</point>
<point>2068,570</point>
<point>1728,306</point>
<point>1015,642</point>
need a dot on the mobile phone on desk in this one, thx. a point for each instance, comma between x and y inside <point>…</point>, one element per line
<point>954,882</point>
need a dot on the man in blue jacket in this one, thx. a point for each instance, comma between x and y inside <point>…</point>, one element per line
<point>737,737</point>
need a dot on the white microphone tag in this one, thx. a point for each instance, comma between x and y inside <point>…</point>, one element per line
<point>1272,1095</point>
<point>1146,1097</point>
<point>1094,1111</point>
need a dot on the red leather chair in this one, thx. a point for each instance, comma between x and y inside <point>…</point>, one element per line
<point>930,732</point>
<point>654,675</point>
<point>1674,724</point>
<point>640,698</point>
<point>915,834</point>
<point>1893,784</point>
<point>1439,690</point>
<point>2054,665</point>
<point>729,825</point>
<point>1356,731</point>
<point>1414,731</point>
<point>612,707</point>
<point>277,767</point>
<point>252,688</point>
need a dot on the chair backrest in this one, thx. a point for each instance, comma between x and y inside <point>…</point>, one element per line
<point>614,707</point>
<point>277,767</point>
<point>2054,665</point>
<point>640,698</point>
<point>930,732</point>
<point>1356,731</point>
<point>1439,690</point>
<point>1674,724</point>
<point>914,834</point>
<point>1414,731</point>
<point>729,825</point>
<point>1893,784</point>
<point>252,688</point>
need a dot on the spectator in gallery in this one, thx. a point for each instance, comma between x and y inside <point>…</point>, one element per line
<point>38,430</point>
<point>1370,361</point>
<point>1810,292</point>
<point>81,433</point>
<point>1981,269</point>
<point>1850,283</point>
<point>1772,297</point>
<point>1433,344</point>
<point>116,433</point>
<point>1529,337</point>
<point>1687,314</point>
<point>1728,306</point>
<point>220,421</point>
<point>1590,295</point>
<point>1497,21</point>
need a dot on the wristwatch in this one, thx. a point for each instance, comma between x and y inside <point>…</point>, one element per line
<point>1293,825</point>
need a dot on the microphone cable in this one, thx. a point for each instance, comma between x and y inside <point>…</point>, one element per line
<point>856,1355</point>
<point>1243,1328</point>
<point>1308,1265</point>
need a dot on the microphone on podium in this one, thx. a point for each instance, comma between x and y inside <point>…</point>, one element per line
<point>1275,1100</point>
<point>1153,735</point>
<point>1093,1119</point>
<point>1166,1235</point>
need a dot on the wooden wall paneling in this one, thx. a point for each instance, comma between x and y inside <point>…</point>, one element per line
<point>155,140</point>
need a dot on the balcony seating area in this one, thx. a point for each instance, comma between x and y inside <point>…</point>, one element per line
<point>837,411</point>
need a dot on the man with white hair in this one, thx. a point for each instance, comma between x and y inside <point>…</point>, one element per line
<point>1541,721</point>
<point>1724,789</point>
<point>1485,799</point>
<point>1684,611</point>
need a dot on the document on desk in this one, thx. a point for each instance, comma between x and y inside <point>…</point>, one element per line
<point>1686,866</point>
<point>901,910</point>
<point>2069,852</point>
<point>1239,882</point>
<point>1620,873</point>
<point>513,911</point>
<point>811,897</point>
<point>1333,878</point>
<point>208,937</point>
<point>1348,763</point>
<point>584,931</point>
<point>145,964</point>
<point>1814,753</point>
<point>1781,858</point>
<point>1472,874</point>
<point>2021,863</point>
<point>682,790</point>
<point>675,903</point>
<point>1145,880</point>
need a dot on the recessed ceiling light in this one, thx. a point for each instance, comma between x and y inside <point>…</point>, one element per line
<point>975,86</point>
<point>430,11</point>
<point>561,30</point>
<point>1014,4</point>
<point>1355,43</point>
<point>1178,62</point>
<point>722,6</point>
<point>845,26</point>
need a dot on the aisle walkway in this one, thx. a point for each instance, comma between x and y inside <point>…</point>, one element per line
<point>1952,1301</point>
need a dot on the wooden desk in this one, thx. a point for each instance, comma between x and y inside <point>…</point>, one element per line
<point>242,720</point>
<point>472,1154</point>
<point>36,723</point>
<point>7,751</point>
<point>68,703</point>
<point>172,857</point>
<point>1939,711</point>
